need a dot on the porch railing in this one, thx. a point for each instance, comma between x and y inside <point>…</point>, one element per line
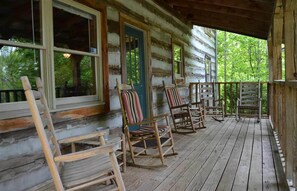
<point>7,96</point>
<point>229,92</point>
<point>16,95</point>
<point>284,120</point>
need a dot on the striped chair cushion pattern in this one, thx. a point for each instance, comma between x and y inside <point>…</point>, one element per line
<point>132,106</point>
<point>173,96</point>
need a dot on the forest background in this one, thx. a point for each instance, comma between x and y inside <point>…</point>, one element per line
<point>241,58</point>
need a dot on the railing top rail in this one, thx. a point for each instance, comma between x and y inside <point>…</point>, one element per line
<point>262,82</point>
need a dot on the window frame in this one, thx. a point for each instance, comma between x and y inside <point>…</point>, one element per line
<point>101,99</point>
<point>180,75</point>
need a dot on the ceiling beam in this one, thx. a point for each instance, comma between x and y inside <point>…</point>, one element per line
<point>196,7</point>
<point>188,12</point>
<point>256,5</point>
<point>251,33</point>
<point>238,25</point>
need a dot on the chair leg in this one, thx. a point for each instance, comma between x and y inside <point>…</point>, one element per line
<point>157,136</point>
<point>174,124</point>
<point>116,170</point>
<point>171,141</point>
<point>131,149</point>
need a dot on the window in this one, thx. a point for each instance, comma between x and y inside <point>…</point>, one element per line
<point>65,52</point>
<point>208,69</point>
<point>178,61</point>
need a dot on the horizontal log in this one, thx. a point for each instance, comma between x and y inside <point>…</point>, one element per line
<point>27,122</point>
<point>158,72</point>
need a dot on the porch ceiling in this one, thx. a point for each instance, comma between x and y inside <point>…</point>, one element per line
<point>247,17</point>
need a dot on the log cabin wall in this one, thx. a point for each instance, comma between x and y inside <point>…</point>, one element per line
<point>22,163</point>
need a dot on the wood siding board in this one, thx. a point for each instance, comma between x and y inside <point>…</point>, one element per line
<point>161,44</point>
<point>113,27</point>
<point>160,57</point>
<point>114,39</point>
<point>115,70</point>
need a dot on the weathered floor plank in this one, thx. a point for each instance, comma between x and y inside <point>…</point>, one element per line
<point>269,177</point>
<point>225,156</point>
<point>256,175</point>
<point>228,176</point>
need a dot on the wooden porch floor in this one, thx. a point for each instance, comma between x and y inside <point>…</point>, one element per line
<point>225,156</point>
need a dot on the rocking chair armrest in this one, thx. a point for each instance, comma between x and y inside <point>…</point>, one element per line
<point>85,154</point>
<point>180,106</point>
<point>82,137</point>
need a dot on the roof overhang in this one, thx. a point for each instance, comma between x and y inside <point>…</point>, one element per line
<point>247,17</point>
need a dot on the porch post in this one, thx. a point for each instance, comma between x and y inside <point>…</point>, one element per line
<point>290,36</point>
<point>276,65</point>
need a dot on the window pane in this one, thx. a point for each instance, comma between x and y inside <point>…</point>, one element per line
<point>20,21</point>
<point>74,75</point>
<point>74,29</point>
<point>177,52</point>
<point>14,63</point>
<point>177,59</point>
<point>176,67</point>
<point>132,59</point>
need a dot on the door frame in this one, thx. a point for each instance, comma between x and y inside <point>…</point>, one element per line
<point>126,20</point>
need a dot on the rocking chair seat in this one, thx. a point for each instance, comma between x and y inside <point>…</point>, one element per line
<point>181,114</point>
<point>86,170</point>
<point>148,130</point>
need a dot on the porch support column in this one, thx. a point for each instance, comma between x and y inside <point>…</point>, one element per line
<point>290,35</point>
<point>276,65</point>
<point>270,61</point>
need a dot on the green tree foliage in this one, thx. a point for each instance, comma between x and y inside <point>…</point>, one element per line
<point>246,58</point>
<point>17,62</point>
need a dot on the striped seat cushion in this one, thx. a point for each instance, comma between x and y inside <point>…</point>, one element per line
<point>148,130</point>
<point>132,106</point>
<point>173,97</point>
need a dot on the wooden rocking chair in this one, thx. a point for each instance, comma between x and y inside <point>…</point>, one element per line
<point>75,170</point>
<point>145,137</point>
<point>184,116</point>
<point>212,106</point>
<point>249,99</point>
